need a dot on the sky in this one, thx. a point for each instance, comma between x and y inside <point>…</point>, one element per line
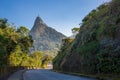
<point>61,15</point>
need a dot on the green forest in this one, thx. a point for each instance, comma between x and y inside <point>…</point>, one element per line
<point>96,48</point>
<point>14,47</point>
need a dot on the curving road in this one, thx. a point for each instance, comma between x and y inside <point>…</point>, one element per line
<point>49,75</point>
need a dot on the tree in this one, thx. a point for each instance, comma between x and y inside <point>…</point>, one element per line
<point>37,59</point>
<point>25,40</point>
<point>23,31</point>
<point>26,60</point>
<point>3,23</point>
<point>75,30</point>
<point>10,39</point>
<point>16,57</point>
<point>46,60</point>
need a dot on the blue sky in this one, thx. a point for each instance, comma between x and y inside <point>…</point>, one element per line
<point>61,15</point>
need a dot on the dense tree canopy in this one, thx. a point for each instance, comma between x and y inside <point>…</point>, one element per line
<point>15,45</point>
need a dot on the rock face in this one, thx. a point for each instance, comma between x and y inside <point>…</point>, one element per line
<point>44,37</point>
<point>96,48</point>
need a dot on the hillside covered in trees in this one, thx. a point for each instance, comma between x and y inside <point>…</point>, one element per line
<point>96,48</point>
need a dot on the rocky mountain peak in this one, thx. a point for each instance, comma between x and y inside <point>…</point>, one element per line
<point>38,27</point>
<point>38,22</point>
<point>45,37</point>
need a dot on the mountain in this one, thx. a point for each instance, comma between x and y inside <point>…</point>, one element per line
<point>96,48</point>
<point>45,38</point>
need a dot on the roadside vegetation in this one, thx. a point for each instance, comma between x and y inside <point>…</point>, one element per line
<point>96,48</point>
<point>14,49</point>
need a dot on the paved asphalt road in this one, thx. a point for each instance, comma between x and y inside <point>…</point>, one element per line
<point>49,75</point>
<point>17,75</point>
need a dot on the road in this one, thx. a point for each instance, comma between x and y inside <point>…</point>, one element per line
<point>17,75</point>
<point>49,75</point>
